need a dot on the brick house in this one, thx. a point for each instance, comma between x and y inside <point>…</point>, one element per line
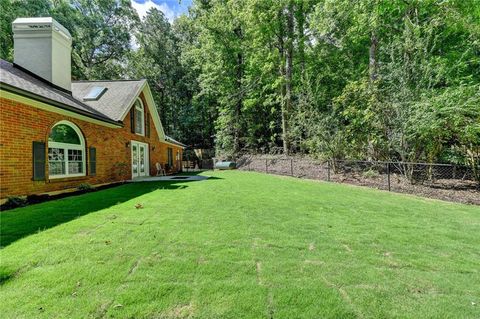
<point>56,134</point>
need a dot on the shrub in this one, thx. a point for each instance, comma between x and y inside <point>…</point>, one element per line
<point>85,187</point>
<point>370,173</point>
<point>16,201</point>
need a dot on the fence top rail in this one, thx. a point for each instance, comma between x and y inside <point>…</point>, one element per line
<point>400,163</point>
<point>357,161</point>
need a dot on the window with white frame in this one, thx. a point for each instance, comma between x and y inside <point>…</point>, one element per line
<point>66,151</point>
<point>139,117</point>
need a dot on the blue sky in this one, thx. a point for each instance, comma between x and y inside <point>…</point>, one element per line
<point>171,8</point>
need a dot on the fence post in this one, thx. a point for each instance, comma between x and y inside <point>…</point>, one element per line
<point>291,166</point>
<point>266,165</point>
<point>328,170</point>
<point>388,176</point>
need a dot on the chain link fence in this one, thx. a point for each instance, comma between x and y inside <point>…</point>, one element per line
<point>441,181</point>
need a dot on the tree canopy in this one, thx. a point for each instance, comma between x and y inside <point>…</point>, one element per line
<point>366,79</point>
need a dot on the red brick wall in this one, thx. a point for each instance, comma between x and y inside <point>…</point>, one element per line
<point>21,124</point>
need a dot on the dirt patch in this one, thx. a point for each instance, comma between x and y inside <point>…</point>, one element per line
<point>134,266</point>
<point>179,311</point>
<point>258,270</point>
<point>314,262</point>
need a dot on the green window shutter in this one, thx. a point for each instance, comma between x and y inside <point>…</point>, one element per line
<point>147,125</point>
<point>170,156</point>
<point>39,156</point>
<point>132,119</point>
<point>93,160</point>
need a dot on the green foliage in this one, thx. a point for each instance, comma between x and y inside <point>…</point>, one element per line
<point>16,201</point>
<point>101,31</point>
<point>85,187</point>
<point>371,173</point>
<point>371,79</point>
<point>64,134</point>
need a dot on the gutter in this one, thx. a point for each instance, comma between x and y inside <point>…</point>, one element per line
<point>171,141</point>
<point>174,144</point>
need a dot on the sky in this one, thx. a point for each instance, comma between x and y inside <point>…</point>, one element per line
<point>171,8</point>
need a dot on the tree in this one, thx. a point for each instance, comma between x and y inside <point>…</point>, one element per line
<point>101,31</point>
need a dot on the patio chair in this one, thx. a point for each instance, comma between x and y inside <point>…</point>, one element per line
<point>160,169</point>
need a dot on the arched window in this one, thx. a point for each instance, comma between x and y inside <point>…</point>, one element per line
<point>139,117</point>
<point>66,151</point>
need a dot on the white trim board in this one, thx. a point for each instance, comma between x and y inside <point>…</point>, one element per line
<point>145,88</point>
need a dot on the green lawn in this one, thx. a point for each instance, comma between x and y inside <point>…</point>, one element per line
<point>241,245</point>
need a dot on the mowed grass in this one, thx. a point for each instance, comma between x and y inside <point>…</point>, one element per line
<point>241,245</point>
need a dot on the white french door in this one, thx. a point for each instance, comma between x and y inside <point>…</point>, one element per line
<point>140,157</point>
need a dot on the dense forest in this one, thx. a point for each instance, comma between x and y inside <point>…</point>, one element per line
<point>363,79</point>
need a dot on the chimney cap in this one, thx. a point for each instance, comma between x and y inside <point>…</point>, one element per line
<point>40,23</point>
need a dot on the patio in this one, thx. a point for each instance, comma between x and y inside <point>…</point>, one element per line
<point>186,178</point>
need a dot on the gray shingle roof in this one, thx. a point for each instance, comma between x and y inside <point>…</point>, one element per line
<point>110,107</point>
<point>17,78</point>
<point>115,101</point>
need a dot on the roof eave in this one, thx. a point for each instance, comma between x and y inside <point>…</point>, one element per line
<point>62,106</point>
<point>170,140</point>
<point>175,144</point>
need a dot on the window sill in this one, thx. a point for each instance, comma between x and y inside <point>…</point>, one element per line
<point>67,178</point>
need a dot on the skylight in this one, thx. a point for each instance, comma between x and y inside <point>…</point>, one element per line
<point>95,93</point>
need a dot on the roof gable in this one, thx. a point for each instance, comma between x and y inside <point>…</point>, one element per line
<point>119,98</point>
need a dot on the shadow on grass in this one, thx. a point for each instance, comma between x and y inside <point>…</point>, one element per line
<point>21,222</point>
<point>193,173</point>
<point>198,173</point>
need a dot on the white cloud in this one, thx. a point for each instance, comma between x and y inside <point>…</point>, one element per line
<point>142,9</point>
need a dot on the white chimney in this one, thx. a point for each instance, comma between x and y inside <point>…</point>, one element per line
<point>43,46</point>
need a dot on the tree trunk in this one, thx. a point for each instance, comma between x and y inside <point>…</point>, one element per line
<point>372,66</point>
<point>239,104</point>
<point>281,52</point>
<point>288,79</point>
<point>300,17</point>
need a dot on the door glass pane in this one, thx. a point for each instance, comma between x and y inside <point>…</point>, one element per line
<point>142,159</point>
<point>134,159</point>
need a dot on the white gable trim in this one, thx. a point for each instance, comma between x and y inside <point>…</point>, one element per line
<point>145,88</point>
<point>153,111</point>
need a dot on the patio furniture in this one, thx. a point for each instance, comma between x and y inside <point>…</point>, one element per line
<point>160,170</point>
